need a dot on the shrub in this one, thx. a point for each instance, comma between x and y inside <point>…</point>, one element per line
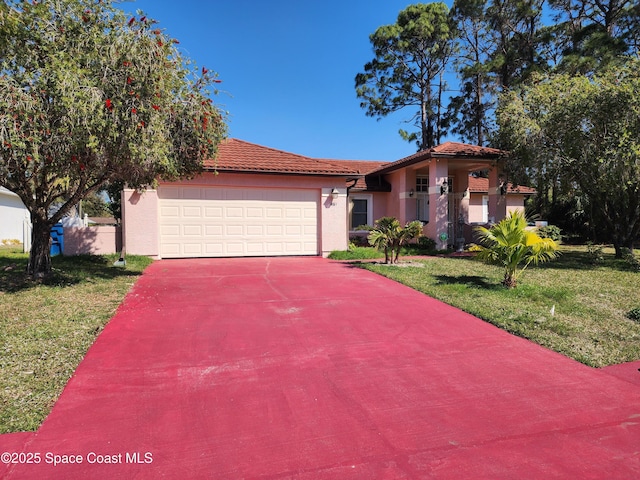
<point>550,231</point>
<point>634,314</point>
<point>595,253</point>
<point>358,241</point>
<point>426,243</point>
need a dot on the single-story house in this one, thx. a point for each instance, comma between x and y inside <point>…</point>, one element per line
<point>258,201</point>
<point>14,218</point>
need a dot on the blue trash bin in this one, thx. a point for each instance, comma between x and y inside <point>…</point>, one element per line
<point>57,240</point>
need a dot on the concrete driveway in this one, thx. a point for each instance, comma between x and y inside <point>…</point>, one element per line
<point>303,368</point>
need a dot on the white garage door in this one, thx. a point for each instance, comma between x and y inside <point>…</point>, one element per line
<point>237,222</point>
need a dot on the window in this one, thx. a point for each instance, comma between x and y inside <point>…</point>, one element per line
<point>360,211</point>
<point>422,184</point>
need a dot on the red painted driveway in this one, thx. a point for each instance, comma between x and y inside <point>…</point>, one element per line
<point>302,368</point>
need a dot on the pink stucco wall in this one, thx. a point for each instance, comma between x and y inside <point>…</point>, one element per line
<point>140,210</point>
<point>514,202</point>
<point>140,222</point>
<point>98,240</point>
<point>475,207</point>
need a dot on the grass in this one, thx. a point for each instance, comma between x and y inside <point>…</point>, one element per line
<point>590,303</point>
<point>47,326</point>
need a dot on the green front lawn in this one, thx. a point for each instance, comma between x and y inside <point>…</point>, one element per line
<point>47,326</point>
<point>590,302</point>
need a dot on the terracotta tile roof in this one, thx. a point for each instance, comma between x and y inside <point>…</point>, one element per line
<point>236,155</point>
<point>466,150</point>
<point>239,156</point>
<point>481,185</point>
<point>362,167</point>
<point>446,149</point>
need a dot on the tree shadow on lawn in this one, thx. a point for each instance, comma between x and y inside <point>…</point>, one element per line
<point>574,260</point>
<point>66,271</point>
<point>470,281</point>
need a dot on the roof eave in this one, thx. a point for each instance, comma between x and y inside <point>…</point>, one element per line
<point>279,172</point>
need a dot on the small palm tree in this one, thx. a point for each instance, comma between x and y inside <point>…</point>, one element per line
<point>389,236</point>
<point>510,245</point>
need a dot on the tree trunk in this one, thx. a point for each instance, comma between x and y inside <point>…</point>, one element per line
<point>40,255</point>
<point>510,280</point>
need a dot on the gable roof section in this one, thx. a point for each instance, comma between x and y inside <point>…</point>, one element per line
<point>239,156</point>
<point>444,150</point>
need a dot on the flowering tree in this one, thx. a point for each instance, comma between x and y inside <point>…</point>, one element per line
<point>92,96</point>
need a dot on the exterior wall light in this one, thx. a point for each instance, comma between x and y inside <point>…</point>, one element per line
<point>334,195</point>
<point>444,188</point>
<point>411,192</point>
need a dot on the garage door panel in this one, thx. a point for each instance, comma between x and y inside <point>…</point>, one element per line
<point>234,212</point>
<point>192,230</point>
<point>255,248</point>
<point>171,249</point>
<point>194,249</point>
<point>192,211</point>
<point>255,212</point>
<point>170,211</point>
<point>275,229</point>
<point>170,230</point>
<point>213,230</point>
<point>222,221</point>
<point>213,212</point>
<point>293,213</point>
<point>234,230</point>
<point>234,248</point>
<point>255,230</point>
<point>213,249</point>
<point>273,213</point>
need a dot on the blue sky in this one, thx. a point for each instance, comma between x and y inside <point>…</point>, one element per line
<point>288,69</point>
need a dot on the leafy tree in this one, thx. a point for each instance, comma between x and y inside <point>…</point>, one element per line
<point>389,236</point>
<point>499,43</point>
<point>90,96</point>
<point>516,27</point>
<point>94,205</point>
<point>468,112</point>
<point>509,245</point>
<point>584,128</point>
<point>114,191</point>
<point>594,34</point>
<point>410,56</point>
